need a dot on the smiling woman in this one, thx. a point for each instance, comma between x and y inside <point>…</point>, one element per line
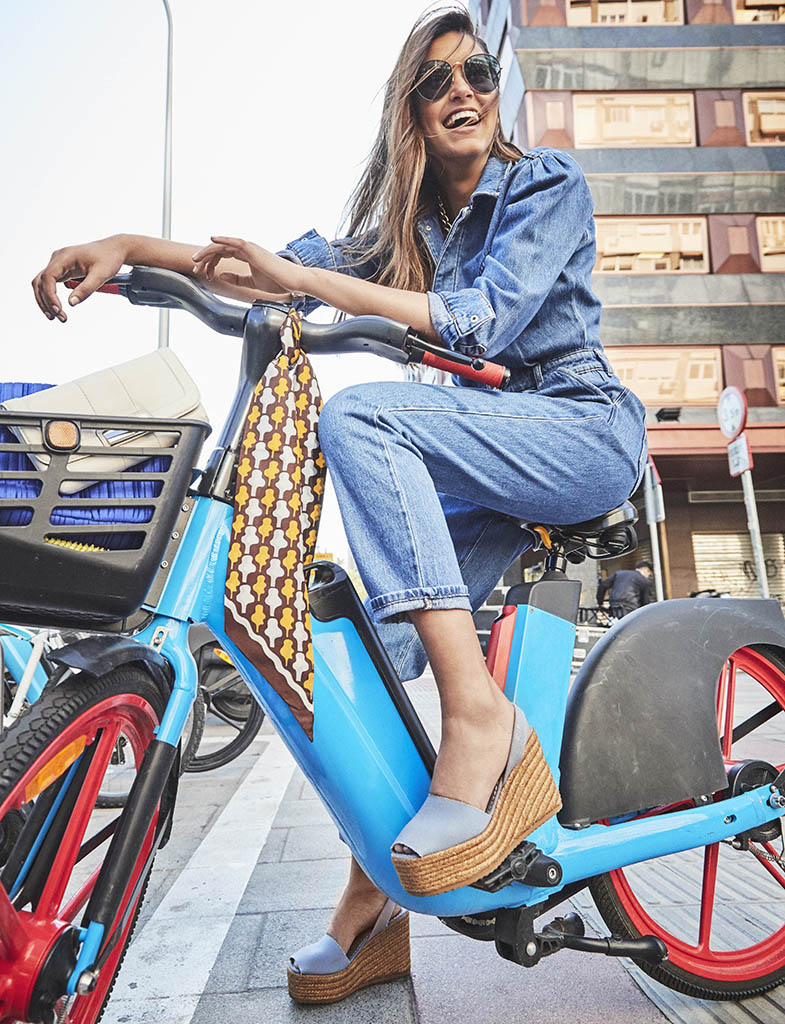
<point>489,251</point>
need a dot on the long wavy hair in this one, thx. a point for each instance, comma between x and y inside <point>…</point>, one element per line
<point>397,186</point>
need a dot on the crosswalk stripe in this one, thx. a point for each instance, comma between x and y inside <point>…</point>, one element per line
<point>169,961</point>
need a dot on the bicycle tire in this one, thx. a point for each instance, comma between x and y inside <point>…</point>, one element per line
<point>193,737</point>
<point>630,907</point>
<point>224,678</point>
<point>73,726</point>
<point>226,690</point>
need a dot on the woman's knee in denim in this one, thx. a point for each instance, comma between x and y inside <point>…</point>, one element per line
<point>340,417</point>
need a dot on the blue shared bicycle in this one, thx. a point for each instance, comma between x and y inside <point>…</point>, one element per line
<point>666,748</point>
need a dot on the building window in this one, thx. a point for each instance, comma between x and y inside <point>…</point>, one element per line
<point>709,12</point>
<point>720,117</point>
<point>651,245</point>
<point>778,354</point>
<point>751,369</point>
<point>669,375</point>
<point>634,119</point>
<point>625,12</point>
<point>542,12</point>
<point>549,119</point>
<point>760,11</point>
<point>771,243</point>
<point>733,244</point>
<point>764,118</point>
<point>724,114</point>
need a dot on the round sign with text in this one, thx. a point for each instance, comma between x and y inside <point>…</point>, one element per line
<point>732,412</point>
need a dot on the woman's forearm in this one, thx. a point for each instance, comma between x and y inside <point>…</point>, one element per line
<point>145,251</point>
<point>358,297</point>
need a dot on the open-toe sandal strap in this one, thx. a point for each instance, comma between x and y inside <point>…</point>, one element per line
<point>324,956</point>
<point>386,915</point>
<point>439,824</point>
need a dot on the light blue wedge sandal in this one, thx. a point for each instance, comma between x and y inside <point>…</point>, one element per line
<point>323,973</point>
<point>449,843</point>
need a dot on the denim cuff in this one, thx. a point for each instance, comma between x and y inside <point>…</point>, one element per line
<point>457,314</point>
<point>312,250</point>
<point>308,253</point>
<point>391,606</point>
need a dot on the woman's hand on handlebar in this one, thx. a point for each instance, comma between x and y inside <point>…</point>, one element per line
<point>270,274</point>
<point>95,262</point>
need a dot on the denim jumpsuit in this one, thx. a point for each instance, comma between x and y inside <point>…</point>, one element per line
<point>432,480</point>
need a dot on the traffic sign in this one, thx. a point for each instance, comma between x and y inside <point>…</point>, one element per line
<point>732,412</point>
<point>739,455</point>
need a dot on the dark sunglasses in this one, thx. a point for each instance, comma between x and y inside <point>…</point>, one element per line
<point>435,77</point>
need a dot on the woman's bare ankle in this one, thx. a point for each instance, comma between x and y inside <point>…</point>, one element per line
<point>358,908</point>
<point>473,753</point>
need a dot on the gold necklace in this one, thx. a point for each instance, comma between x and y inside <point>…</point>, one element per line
<point>444,218</point>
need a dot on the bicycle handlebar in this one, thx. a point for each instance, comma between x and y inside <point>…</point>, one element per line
<point>152,286</point>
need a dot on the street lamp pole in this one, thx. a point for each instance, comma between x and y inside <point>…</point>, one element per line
<point>166,228</point>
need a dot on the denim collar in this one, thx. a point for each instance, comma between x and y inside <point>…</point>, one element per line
<point>490,183</point>
<point>493,174</point>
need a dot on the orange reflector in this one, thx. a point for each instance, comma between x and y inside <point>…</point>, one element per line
<point>545,537</point>
<point>222,655</point>
<point>55,768</point>
<point>62,435</point>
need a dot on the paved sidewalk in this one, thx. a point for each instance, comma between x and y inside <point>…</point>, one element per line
<point>288,902</point>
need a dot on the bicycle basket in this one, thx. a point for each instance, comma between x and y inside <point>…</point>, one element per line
<point>87,559</point>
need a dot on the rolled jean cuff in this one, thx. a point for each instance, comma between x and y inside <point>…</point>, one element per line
<point>391,606</point>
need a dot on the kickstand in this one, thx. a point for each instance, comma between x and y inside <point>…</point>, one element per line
<point>516,939</point>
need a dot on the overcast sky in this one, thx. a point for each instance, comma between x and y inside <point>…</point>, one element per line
<point>275,107</point>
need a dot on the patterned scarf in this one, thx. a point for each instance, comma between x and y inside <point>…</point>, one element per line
<point>278,499</point>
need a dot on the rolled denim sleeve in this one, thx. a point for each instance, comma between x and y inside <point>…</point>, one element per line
<point>313,250</point>
<point>546,214</point>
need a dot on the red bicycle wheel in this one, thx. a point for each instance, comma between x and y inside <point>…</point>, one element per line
<point>720,910</point>
<point>52,768</point>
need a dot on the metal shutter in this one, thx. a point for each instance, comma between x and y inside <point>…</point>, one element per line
<point>724,562</point>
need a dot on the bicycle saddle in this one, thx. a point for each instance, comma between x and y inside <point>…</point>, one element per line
<point>625,513</point>
<point>606,536</point>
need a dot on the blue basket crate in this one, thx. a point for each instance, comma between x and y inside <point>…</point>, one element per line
<point>115,489</point>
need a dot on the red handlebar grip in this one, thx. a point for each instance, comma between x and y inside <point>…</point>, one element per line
<point>491,373</point>
<point>108,288</point>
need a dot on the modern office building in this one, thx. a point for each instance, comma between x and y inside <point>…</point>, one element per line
<point>675,109</point>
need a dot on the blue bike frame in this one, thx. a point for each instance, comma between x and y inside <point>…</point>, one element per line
<point>16,646</point>
<point>363,762</point>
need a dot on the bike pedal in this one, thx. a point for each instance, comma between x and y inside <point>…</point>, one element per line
<point>525,864</point>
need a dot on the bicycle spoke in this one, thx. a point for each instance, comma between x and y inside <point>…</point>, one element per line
<point>95,841</point>
<point>710,857</point>
<point>775,872</point>
<point>730,700</point>
<point>56,883</point>
<point>231,685</point>
<point>79,900</point>
<point>754,722</point>
<point>226,719</point>
<point>721,687</point>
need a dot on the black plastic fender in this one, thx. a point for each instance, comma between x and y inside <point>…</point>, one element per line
<point>98,655</point>
<point>641,723</point>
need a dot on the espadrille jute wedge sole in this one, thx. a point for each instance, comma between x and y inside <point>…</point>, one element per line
<point>385,957</point>
<point>528,798</point>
